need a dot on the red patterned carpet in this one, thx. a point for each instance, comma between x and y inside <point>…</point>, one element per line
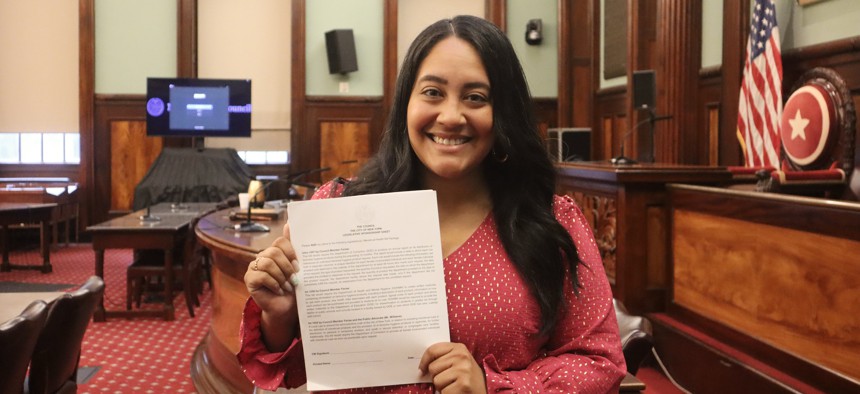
<point>141,355</point>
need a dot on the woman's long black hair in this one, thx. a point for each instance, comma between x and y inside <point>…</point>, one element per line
<point>519,172</point>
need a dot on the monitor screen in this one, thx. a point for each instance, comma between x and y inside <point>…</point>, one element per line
<point>198,107</point>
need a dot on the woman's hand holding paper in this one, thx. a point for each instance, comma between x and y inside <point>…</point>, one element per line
<point>268,280</point>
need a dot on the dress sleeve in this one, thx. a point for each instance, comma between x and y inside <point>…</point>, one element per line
<point>265,369</point>
<point>583,352</point>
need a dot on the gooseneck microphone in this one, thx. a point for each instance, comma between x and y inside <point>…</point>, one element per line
<point>148,217</point>
<point>621,159</point>
<point>249,226</point>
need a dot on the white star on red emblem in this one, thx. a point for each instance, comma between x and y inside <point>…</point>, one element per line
<point>798,126</point>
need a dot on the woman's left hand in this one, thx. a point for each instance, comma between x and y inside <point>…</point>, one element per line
<point>453,369</point>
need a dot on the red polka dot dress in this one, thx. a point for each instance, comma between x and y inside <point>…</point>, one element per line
<point>492,312</point>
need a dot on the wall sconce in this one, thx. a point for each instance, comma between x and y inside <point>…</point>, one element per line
<point>534,32</point>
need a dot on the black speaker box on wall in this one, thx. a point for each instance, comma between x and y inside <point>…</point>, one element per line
<point>340,48</point>
<point>569,144</point>
<point>644,88</point>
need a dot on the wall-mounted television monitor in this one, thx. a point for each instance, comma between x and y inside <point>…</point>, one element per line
<point>191,107</point>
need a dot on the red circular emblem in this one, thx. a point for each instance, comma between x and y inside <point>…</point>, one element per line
<point>806,124</point>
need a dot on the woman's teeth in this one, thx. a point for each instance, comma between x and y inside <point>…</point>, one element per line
<point>448,141</point>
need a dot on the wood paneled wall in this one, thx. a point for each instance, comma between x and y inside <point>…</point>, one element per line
<point>337,131</point>
<point>122,153</point>
<point>327,131</point>
<point>677,138</point>
<point>703,134</point>
<point>114,114</point>
<point>546,111</point>
<point>131,155</point>
<point>708,116</point>
<point>611,125</point>
<point>105,119</point>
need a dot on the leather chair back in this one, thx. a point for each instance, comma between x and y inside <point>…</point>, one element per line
<point>54,365</point>
<point>17,341</point>
<point>636,336</point>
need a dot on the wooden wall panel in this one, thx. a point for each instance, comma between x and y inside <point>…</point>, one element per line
<point>793,289</point>
<point>132,153</point>
<point>713,127</point>
<point>546,111</point>
<point>736,22</point>
<point>123,117</point>
<point>86,86</point>
<point>336,130</point>
<point>611,116</point>
<point>341,142</point>
<point>679,48</point>
<point>708,117</point>
<point>109,109</point>
<point>656,220</point>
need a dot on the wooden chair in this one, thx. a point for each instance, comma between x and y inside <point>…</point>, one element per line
<point>636,337</point>
<point>54,367</point>
<point>147,273</point>
<point>17,340</point>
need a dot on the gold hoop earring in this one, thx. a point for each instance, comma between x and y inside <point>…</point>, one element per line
<point>499,159</point>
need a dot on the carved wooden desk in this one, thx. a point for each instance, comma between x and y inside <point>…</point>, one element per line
<point>764,292</point>
<point>214,368</point>
<point>628,210</point>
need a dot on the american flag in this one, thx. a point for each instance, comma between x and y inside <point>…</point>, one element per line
<point>760,104</point>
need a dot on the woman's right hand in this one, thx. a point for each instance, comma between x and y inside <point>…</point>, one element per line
<point>267,279</point>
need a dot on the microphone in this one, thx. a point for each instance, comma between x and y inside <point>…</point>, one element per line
<point>292,178</point>
<point>180,205</point>
<point>622,160</point>
<point>249,226</point>
<point>148,217</point>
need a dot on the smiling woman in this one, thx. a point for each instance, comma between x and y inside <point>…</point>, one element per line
<point>529,305</point>
<point>450,113</point>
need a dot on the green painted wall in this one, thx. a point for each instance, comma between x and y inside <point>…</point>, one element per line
<point>134,40</point>
<point>799,26</point>
<point>540,62</point>
<point>817,23</point>
<point>712,33</point>
<point>365,18</point>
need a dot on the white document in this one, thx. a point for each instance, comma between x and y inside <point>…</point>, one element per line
<point>371,295</point>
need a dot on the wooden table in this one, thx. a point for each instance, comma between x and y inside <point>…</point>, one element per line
<point>214,368</point>
<point>131,232</point>
<point>12,304</point>
<point>17,212</point>
<point>46,190</point>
